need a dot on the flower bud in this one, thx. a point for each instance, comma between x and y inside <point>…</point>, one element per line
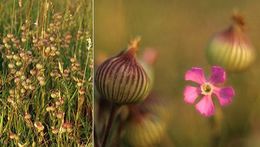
<point>121,79</point>
<point>231,48</point>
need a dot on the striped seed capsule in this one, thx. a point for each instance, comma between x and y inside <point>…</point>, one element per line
<point>231,48</point>
<point>121,79</point>
<point>144,132</point>
<point>157,105</point>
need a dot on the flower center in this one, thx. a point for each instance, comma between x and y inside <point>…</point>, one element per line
<point>206,89</point>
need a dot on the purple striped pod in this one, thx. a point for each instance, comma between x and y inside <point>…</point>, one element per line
<point>121,79</point>
<point>231,48</point>
<point>144,131</point>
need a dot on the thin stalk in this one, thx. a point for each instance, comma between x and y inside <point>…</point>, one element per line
<point>96,139</point>
<point>112,115</point>
<point>118,133</point>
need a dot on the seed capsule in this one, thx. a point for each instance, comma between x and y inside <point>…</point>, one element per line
<point>121,79</point>
<point>157,105</point>
<point>143,132</point>
<point>231,48</point>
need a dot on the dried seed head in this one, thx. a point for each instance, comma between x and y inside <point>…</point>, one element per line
<point>47,50</point>
<point>67,127</point>
<point>19,73</point>
<point>35,40</point>
<point>61,100</point>
<point>33,72</point>
<point>11,65</point>
<point>42,83</point>
<point>16,57</point>
<point>22,77</point>
<point>23,39</point>
<point>31,87</point>
<point>23,90</point>
<point>7,46</point>
<point>52,39</point>
<point>23,27</point>
<point>38,125</point>
<point>53,48</point>
<point>27,116</point>
<point>10,100</point>
<point>66,72</point>
<point>13,40</point>
<point>81,91</point>
<point>13,136</point>
<point>39,66</point>
<point>6,40</point>
<point>57,103</point>
<point>18,63</point>
<point>80,84</point>
<point>40,78</point>
<point>53,95</point>
<point>9,57</point>
<point>73,60</point>
<point>50,108</point>
<point>68,37</point>
<point>10,35</point>
<point>54,130</point>
<point>57,53</point>
<point>60,114</point>
<point>62,130</point>
<point>11,92</point>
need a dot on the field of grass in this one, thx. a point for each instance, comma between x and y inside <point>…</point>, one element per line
<point>46,73</point>
<point>180,30</point>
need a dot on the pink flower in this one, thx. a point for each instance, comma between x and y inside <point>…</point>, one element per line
<point>207,88</point>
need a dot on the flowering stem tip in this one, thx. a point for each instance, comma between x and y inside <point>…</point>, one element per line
<point>207,87</point>
<point>133,45</point>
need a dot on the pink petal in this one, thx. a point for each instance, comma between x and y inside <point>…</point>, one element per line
<point>205,106</point>
<point>195,75</point>
<point>150,55</point>
<point>218,75</point>
<point>190,94</point>
<point>225,95</point>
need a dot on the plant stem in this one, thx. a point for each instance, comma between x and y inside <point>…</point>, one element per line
<point>216,126</point>
<point>96,139</point>
<point>113,111</point>
<point>118,133</point>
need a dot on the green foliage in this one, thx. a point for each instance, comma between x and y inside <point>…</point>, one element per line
<point>46,73</point>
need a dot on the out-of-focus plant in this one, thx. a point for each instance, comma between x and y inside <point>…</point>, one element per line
<point>231,48</point>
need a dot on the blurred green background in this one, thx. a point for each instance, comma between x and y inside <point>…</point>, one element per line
<point>180,31</point>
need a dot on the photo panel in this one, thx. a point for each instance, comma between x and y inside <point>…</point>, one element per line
<point>46,84</point>
<point>176,73</point>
